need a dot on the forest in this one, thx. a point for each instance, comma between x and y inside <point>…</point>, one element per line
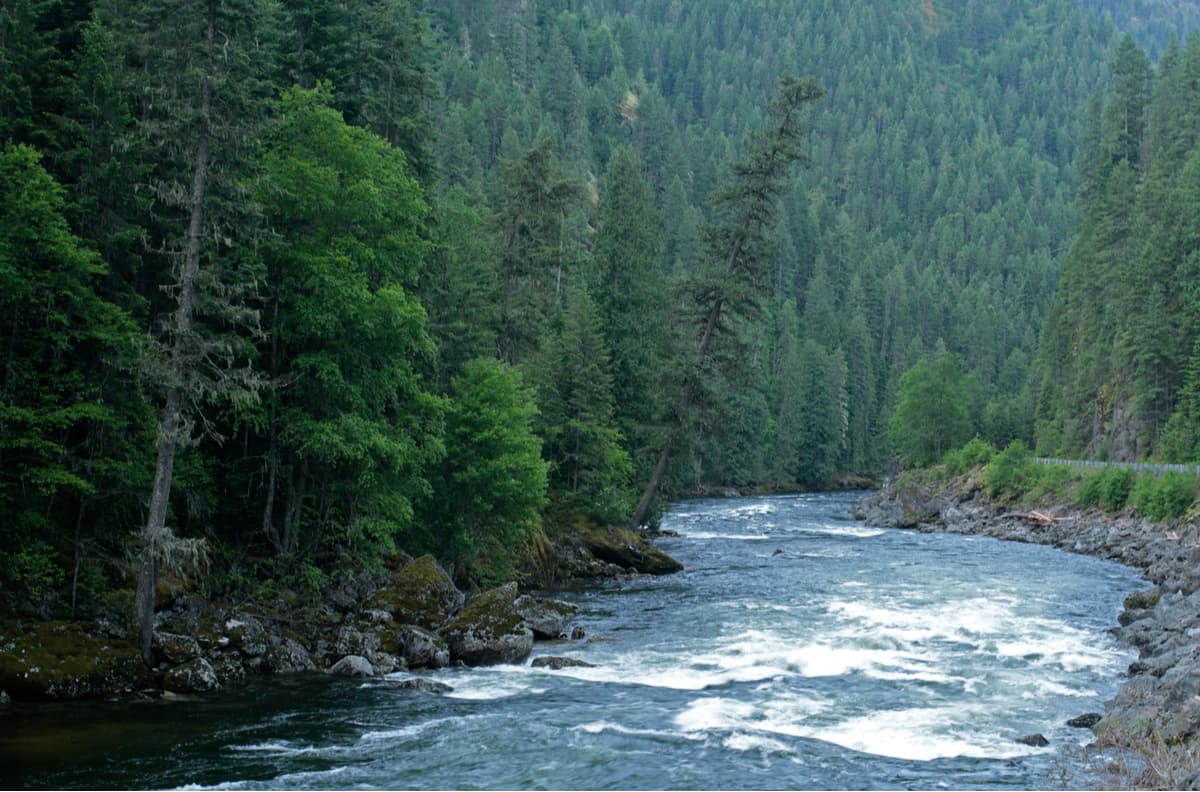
<point>290,286</point>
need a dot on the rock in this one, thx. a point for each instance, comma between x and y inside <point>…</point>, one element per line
<point>1141,600</point>
<point>1035,740</point>
<point>489,630</point>
<point>353,666</point>
<point>63,660</point>
<point>247,635</point>
<point>421,593</point>
<point>558,663</point>
<point>375,616</point>
<point>419,683</point>
<point>287,656</point>
<point>229,667</point>
<point>546,617</point>
<point>420,648</point>
<point>194,676</point>
<point>628,549</point>
<point>354,641</point>
<point>175,649</point>
<point>5,700</point>
<point>1085,721</point>
<point>577,633</point>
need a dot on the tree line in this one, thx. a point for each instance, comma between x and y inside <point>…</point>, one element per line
<point>290,286</point>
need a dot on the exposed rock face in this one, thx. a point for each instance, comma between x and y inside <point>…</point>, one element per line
<point>353,666</point>
<point>62,660</point>
<point>489,630</point>
<point>175,649</point>
<point>558,663</point>
<point>421,593</point>
<point>628,549</point>
<point>420,648</point>
<point>547,618</point>
<point>287,656</point>
<point>194,676</point>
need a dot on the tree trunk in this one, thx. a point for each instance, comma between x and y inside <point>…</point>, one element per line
<point>685,406</point>
<point>170,418</point>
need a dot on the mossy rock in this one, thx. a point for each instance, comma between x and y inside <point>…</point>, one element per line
<point>194,676</point>
<point>1142,600</point>
<point>63,660</point>
<point>421,593</point>
<point>627,548</point>
<point>489,630</point>
<point>420,648</point>
<point>547,618</point>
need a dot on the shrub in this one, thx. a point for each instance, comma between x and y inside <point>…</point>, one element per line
<point>1011,470</point>
<point>1163,497</point>
<point>978,452</point>
<point>1109,489</point>
<point>1054,480</point>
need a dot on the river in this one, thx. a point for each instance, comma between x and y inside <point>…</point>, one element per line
<point>800,649</point>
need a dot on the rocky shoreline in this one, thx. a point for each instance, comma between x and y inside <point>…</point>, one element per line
<point>411,618</point>
<point>1158,706</point>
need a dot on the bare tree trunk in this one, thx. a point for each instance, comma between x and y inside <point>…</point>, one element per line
<point>170,418</point>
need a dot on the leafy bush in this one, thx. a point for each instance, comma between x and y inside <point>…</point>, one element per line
<point>1108,489</point>
<point>1012,470</point>
<point>976,452</point>
<point>1163,497</point>
<point>1053,481</point>
<point>35,568</point>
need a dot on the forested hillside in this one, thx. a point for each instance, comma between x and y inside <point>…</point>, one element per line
<point>1119,362</point>
<point>1151,22</point>
<point>287,286</point>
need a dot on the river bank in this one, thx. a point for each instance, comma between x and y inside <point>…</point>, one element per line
<point>1156,713</point>
<point>411,617</point>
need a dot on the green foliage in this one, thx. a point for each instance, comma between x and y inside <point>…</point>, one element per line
<point>36,569</point>
<point>976,452</point>
<point>1012,471</point>
<point>488,489</point>
<point>931,410</point>
<point>1109,489</point>
<point>1163,497</point>
<point>347,338</point>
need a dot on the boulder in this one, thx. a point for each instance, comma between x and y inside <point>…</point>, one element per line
<point>421,593</point>
<point>353,666</point>
<point>63,660</point>
<point>558,663</point>
<point>247,635</point>
<point>175,649</point>
<point>356,639</point>
<point>1035,740</point>
<point>577,633</point>
<point>229,666</point>
<point>489,630</point>
<point>194,676</point>
<point>287,656</point>
<point>419,683</point>
<point>420,648</point>
<point>628,549</point>
<point>547,618</point>
<point>1085,721</point>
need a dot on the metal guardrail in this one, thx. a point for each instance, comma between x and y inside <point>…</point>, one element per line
<point>1141,467</point>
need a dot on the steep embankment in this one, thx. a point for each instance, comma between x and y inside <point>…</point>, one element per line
<point>1157,712</point>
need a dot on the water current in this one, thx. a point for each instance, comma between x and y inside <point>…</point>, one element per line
<point>799,649</point>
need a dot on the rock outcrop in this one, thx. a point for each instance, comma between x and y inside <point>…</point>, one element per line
<point>489,630</point>
<point>421,593</point>
<point>549,619</point>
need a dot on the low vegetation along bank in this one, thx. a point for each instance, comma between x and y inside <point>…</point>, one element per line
<point>411,616</point>
<point>1149,735</point>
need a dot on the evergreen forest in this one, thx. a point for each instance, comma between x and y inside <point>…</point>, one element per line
<point>289,286</point>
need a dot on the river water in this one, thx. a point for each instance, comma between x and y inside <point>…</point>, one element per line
<point>800,649</point>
